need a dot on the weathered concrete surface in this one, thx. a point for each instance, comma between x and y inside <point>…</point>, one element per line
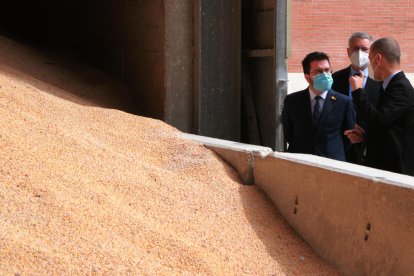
<point>240,156</point>
<point>217,59</point>
<point>358,218</point>
<point>179,82</point>
<point>127,39</point>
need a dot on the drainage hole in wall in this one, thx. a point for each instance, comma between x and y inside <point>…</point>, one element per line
<point>368,230</point>
<point>295,210</point>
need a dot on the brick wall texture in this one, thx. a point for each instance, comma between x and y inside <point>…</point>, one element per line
<point>325,25</point>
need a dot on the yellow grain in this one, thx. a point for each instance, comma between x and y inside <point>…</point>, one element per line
<point>88,189</point>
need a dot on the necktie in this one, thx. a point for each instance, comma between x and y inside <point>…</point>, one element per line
<point>316,111</point>
<point>382,88</point>
<point>350,87</point>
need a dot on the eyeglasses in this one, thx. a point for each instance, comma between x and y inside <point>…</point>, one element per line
<point>363,49</point>
<point>320,71</point>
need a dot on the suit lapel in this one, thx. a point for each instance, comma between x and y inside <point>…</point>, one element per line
<point>341,83</point>
<point>307,107</point>
<point>370,84</point>
<point>306,111</point>
<point>346,81</point>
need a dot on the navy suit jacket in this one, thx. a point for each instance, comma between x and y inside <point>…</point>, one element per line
<point>327,139</point>
<point>390,132</point>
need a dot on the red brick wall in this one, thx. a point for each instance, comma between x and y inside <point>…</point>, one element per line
<point>325,25</point>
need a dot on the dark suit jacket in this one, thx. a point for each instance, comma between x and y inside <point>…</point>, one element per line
<point>372,88</point>
<point>390,132</point>
<point>341,85</point>
<point>327,140</point>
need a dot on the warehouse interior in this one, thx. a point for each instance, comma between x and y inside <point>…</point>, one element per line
<point>205,67</point>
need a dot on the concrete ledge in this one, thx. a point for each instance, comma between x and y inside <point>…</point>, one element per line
<point>360,219</point>
<point>239,156</point>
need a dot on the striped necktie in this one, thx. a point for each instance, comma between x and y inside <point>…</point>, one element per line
<point>316,111</point>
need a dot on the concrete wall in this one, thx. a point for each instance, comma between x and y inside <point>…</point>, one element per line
<point>127,39</point>
<point>181,58</point>
<point>217,59</point>
<point>359,219</point>
<point>179,69</point>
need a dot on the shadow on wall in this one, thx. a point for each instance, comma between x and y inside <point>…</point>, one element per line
<point>63,77</point>
<point>291,253</point>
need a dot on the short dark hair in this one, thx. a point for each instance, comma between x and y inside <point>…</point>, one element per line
<point>388,47</point>
<point>312,57</point>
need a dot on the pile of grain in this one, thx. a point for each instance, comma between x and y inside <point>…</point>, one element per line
<point>86,189</point>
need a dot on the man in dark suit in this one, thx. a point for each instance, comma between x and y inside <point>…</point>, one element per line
<point>358,50</point>
<point>390,132</point>
<point>315,119</point>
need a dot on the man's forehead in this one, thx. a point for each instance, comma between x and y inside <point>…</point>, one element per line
<point>320,64</point>
<point>359,41</point>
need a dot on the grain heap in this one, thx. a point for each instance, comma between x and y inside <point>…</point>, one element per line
<point>86,189</point>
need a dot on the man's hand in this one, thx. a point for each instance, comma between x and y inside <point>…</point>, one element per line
<point>357,81</point>
<point>355,135</point>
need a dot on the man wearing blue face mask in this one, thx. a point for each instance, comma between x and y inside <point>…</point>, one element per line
<point>315,119</point>
<point>359,44</point>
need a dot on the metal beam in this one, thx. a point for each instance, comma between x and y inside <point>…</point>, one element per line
<point>280,67</point>
<point>217,68</point>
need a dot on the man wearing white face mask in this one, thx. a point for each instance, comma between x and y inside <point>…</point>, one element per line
<point>359,44</point>
<point>315,119</point>
<point>390,132</point>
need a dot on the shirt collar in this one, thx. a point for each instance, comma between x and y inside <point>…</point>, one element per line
<point>387,80</point>
<point>313,94</point>
<point>365,71</point>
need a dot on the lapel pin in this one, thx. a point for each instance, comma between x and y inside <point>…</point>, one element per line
<point>333,98</point>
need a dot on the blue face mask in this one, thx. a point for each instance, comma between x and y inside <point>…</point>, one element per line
<point>322,82</point>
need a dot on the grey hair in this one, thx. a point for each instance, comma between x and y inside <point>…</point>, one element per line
<point>388,47</point>
<point>361,35</point>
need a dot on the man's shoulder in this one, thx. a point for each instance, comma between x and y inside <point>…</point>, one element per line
<point>341,73</point>
<point>401,85</point>
<point>402,78</point>
<point>298,94</point>
<point>338,96</point>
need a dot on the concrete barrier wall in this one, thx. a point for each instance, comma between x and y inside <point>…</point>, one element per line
<point>358,218</point>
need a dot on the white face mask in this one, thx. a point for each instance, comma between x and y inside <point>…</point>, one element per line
<point>360,59</point>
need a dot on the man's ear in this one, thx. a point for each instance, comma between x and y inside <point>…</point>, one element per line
<point>347,50</point>
<point>308,78</point>
<point>379,57</point>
